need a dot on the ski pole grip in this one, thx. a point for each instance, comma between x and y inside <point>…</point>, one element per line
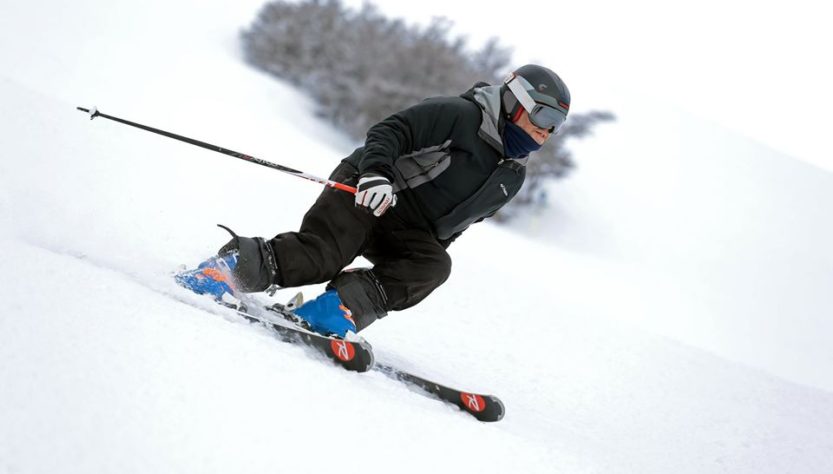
<point>343,187</point>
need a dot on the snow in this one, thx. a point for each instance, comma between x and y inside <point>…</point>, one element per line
<point>670,321</point>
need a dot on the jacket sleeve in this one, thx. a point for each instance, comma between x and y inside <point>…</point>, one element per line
<point>423,125</point>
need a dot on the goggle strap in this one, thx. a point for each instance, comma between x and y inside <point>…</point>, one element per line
<point>521,94</point>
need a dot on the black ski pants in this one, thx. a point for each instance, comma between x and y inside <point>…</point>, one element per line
<point>408,262</point>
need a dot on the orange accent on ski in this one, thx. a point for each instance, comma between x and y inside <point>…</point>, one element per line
<point>473,403</point>
<point>343,350</point>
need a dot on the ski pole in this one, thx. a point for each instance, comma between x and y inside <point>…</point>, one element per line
<point>251,159</point>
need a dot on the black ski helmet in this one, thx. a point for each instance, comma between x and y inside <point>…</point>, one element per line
<point>541,92</point>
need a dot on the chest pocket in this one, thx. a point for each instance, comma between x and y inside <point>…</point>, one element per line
<point>420,167</point>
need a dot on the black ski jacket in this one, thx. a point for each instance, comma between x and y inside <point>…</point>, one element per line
<point>445,157</point>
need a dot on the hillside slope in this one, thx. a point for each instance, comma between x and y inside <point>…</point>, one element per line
<point>107,366</point>
<point>110,370</point>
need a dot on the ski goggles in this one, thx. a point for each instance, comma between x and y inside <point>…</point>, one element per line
<point>541,115</point>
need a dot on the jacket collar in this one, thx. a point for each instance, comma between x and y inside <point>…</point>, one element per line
<point>489,99</point>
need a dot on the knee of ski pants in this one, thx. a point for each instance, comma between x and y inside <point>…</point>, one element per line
<point>424,277</point>
<point>431,267</point>
<point>429,272</point>
<point>442,268</point>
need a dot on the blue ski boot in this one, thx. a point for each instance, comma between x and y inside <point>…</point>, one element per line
<point>326,315</point>
<point>213,277</point>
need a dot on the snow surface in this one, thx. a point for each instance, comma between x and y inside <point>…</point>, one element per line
<point>107,366</point>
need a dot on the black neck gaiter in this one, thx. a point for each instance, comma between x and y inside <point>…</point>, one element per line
<point>516,142</point>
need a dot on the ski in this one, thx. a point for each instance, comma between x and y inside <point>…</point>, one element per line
<point>358,356</point>
<point>487,408</point>
<point>483,407</point>
<point>354,355</point>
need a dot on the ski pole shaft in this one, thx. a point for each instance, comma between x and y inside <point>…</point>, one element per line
<point>251,159</point>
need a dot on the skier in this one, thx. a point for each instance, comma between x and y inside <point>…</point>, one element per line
<point>424,175</point>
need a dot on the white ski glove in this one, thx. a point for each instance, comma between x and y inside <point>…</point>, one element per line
<point>375,193</point>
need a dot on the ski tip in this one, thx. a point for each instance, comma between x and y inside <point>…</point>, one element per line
<point>486,408</point>
<point>369,350</point>
<point>501,408</point>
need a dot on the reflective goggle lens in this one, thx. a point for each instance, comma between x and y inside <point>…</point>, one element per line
<point>546,117</point>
